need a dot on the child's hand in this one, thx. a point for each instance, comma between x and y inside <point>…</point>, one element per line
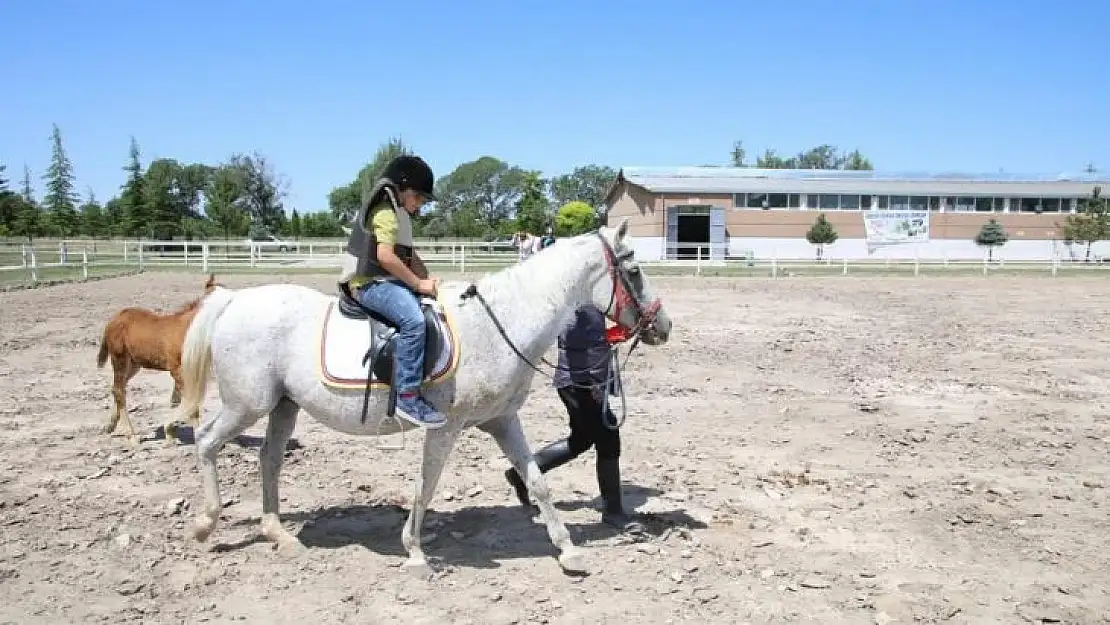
<point>428,286</point>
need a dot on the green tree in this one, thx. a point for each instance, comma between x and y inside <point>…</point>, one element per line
<point>588,184</point>
<point>261,191</point>
<point>533,205</point>
<point>60,200</point>
<point>345,201</point>
<point>990,236</point>
<point>1090,223</point>
<point>489,186</point>
<point>824,156</point>
<point>136,219</point>
<point>739,154</point>
<point>222,204</point>
<point>93,220</point>
<point>25,189</point>
<point>822,233</point>
<point>574,218</point>
<point>295,225</point>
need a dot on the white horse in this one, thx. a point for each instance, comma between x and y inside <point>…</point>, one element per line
<point>263,346</point>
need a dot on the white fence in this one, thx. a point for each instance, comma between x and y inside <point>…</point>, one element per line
<point>66,261</point>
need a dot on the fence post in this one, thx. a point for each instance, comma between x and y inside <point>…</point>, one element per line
<point>23,254</point>
<point>185,252</point>
<point>252,254</point>
<point>774,264</point>
<point>916,265</point>
<point>140,246</point>
<point>204,257</point>
<point>844,272</point>
<point>697,265</point>
<point>984,265</point>
<point>85,264</point>
<point>125,251</point>
<point>34,267</point>
<point>462,258</point>
<point>1055,264</point>
<point>62,253</point>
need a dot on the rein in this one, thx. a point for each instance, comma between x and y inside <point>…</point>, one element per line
<point>621,296</point>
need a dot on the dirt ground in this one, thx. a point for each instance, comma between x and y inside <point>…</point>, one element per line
<point>849,450</point>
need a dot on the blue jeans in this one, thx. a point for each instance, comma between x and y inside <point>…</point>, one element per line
<point>394,301</point>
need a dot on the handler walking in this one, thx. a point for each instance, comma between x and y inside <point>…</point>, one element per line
<point>581,381</point>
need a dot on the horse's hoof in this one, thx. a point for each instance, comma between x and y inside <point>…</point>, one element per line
<point>573,562</point>
<point>418,568</point>
<point>200,531</point>
<point>290,548</point>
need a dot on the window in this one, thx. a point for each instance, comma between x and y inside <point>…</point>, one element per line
<point>1051,204</point>
<point>984,204</point>
<point>829,201</point>
<point>849,202</point>
<point>756,200</point>
<point>865,202</point>
<point>884,202</point>
<point>1029,204</point>
<point>795,200</point>
<point>899,202</point>
<point>934,203</point>
<point>965,204</point>
<point>919,202</point>
<point>777,200</point>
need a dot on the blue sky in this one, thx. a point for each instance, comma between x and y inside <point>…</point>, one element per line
<point>952,85</point>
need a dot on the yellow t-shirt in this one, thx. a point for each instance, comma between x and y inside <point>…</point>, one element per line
<point>382,222</point>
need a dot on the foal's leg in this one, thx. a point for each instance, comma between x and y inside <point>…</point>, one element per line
<point>283,420</point>
<point>210,438</point>
<point>437,447</point>
<point>510,438</point>
<point>119,393</point>
<point>124,369</point>
<point>170,426</point>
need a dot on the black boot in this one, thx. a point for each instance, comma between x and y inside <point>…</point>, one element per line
<point>609,483</point>
<point>554,455</point>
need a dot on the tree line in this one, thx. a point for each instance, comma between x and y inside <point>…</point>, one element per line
<point>245,196</point>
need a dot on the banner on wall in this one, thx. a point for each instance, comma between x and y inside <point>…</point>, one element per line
<point>895,227</point>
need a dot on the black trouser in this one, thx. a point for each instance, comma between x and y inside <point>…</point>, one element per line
<point>587,428</point>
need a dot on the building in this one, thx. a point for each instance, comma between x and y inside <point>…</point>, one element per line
<point>723,212</point>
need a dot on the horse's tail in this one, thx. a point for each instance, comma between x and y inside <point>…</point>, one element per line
<point>102,355</point>
<point>196,350</point>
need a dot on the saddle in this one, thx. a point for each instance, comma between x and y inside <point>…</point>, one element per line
<point>380,351</point>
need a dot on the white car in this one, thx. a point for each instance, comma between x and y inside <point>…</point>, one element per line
<point>268,241</point>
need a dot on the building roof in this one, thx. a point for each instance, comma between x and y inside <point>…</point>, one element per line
<point>737,179</point>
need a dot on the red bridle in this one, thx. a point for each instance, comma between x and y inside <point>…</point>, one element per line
<point>624,297</point>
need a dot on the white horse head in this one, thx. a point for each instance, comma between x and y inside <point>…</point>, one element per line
<point>263,346</point>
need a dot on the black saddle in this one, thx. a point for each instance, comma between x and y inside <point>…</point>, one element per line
<point>383,332</point>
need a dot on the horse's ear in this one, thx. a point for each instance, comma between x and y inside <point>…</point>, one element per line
<point>211,281</point>
<point>622,229</point>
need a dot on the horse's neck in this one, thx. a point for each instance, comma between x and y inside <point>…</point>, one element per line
<point>535,300</point>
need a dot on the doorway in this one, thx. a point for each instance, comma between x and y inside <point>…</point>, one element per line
<point>690,231</point>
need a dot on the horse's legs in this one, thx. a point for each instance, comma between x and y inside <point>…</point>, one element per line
<point>437,447</point>
<point>119,393</point>
<point>283,420</point>
<point>210,438</point>
<point>170,426</point>
<point>510,438</point>
<point>124,368</point>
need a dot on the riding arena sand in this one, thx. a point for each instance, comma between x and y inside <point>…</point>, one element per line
<point>850,450</point>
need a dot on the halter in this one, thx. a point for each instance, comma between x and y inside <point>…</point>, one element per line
<point>622,296</point>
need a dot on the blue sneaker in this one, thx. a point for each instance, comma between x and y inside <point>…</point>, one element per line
<point>415,410</point>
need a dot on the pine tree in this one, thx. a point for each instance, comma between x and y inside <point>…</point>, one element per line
<point>991,235</point>
<point>136,217</point>
<point>821,234</point>
<point>60,200</point>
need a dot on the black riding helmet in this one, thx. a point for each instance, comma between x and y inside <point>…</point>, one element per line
<point>411,172</point>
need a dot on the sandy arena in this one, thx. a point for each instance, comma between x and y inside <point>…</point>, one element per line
<point>847,450</point>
